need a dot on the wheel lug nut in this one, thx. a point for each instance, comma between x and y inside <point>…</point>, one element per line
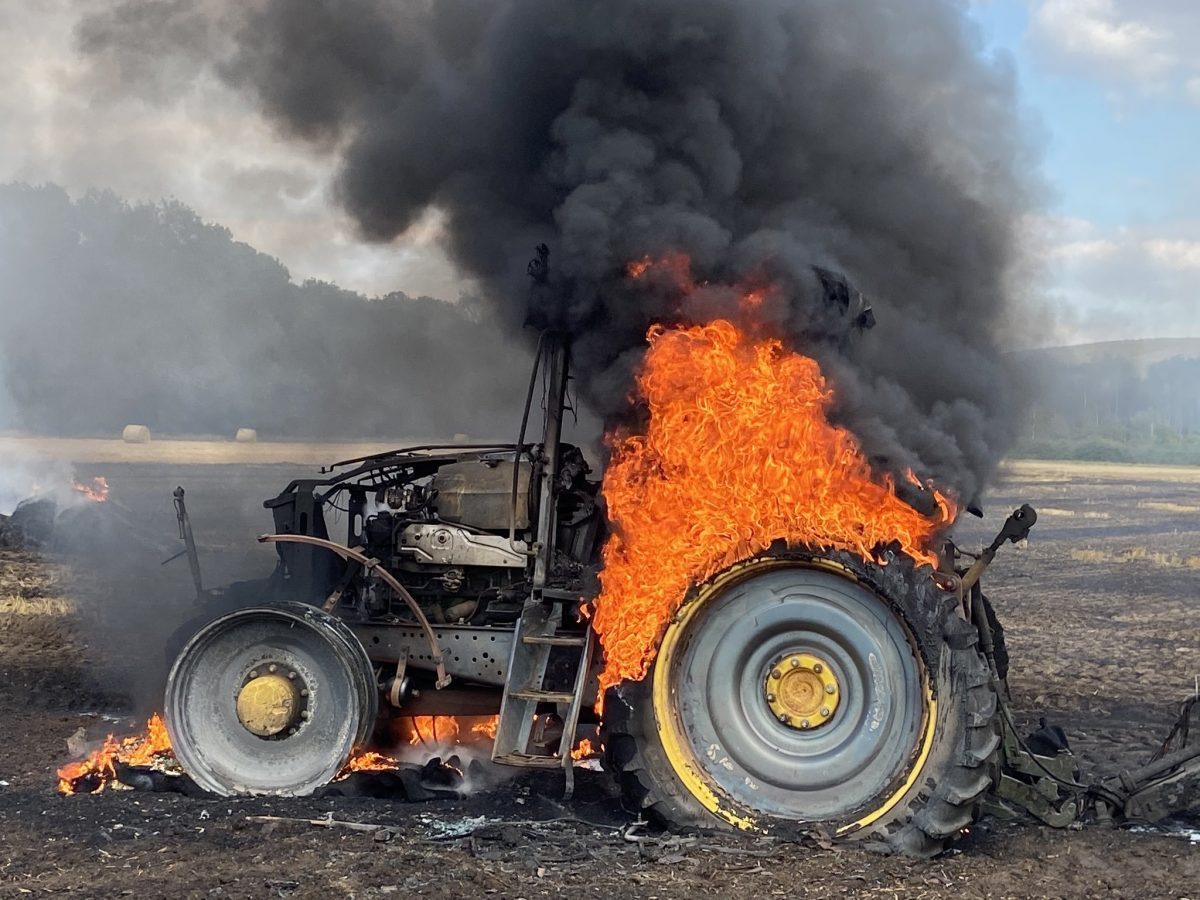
<point>291,676</point>
<point>272,668</point>
<point>804,723</point>
<point>303,692</point>
<point>818,668</point>
<point>825,710</point>
<point>785,718</point>
<point>254,673</point>
<point>829,688</point>
<point>776,674</point>
<point>770,698</point>
<point>304,713</point>
<point>795,662</point>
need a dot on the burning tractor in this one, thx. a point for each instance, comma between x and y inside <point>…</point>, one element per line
<point>818,659</point>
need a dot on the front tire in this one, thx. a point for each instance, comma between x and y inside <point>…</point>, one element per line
<point>900,762</point>
<point>269,700</point>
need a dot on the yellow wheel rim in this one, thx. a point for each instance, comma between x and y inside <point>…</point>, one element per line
<point>694,774</point>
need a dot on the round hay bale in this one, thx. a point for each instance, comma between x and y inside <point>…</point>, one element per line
<point>246,436</point>
<point>136,434</point>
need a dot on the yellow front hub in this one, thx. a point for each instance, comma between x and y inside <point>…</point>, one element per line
<point>269,703</point>
<point>802,691</point>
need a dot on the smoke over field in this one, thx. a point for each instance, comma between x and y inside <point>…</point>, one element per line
<point>112,313</point>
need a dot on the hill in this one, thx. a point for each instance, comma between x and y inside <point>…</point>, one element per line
<point>112,313</point>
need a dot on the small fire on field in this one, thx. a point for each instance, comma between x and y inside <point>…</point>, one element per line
<point>152,748</point>
<point>98,770</point>
<point>96,490</point>
<point>737,452</point>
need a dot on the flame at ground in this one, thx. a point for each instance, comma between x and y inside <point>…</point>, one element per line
<point>98,771</point>
<point>737,453</point>
<point>370,761</point>
<point>97,491</point>
<point>433,733</point>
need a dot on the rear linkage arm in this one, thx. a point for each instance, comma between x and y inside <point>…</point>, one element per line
<point>1029,781</point>
<point>1040,775</point>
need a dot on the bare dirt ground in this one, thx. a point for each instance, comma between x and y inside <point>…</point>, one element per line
<point>1102,609</point>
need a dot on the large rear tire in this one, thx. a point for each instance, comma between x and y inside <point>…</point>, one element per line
<point>795,693</point>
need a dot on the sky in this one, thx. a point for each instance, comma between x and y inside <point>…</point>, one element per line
<point>1110,91</point>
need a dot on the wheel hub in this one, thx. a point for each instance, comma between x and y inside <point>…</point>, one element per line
<point>270,702</point>
<point>802,691</point>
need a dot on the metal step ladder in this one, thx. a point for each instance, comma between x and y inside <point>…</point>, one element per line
<point>538,634</point>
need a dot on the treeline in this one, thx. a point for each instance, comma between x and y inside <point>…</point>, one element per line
<point>1115,408</point>
<point>112,313</point>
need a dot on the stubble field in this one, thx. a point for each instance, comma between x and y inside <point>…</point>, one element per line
<point>1102,610</point>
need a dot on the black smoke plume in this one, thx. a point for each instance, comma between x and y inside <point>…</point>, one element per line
<point>758,138</point>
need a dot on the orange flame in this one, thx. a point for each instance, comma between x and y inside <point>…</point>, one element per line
<point>101,764</point>
<point>370,761</point>
<point>451,730</point>
<point>673,268</point>
<point>433,731</point>
<point>738,452</point>
<point>97,491</point>
<point>584,749</point>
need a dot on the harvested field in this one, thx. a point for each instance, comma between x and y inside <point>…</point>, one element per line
<point>1102,609</point>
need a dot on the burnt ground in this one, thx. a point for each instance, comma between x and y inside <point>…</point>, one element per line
<point>1102,609</point>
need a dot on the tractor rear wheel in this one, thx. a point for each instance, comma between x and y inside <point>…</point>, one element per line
<point>797,693</point>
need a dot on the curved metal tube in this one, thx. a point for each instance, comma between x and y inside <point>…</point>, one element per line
<point>368,564</point>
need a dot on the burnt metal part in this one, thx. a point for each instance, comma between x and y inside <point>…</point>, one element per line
<point>1016,528</point>
<point>1171,786</point>
<point>374,565</point>
<point>299,507</point>
<point>1043,785</point>
<point>472,653</point>
<point>440,544</point>
<point>842,295</point>
<point>453,701</point>
<point>336,713</point>
<point>478,493</point>
<point>189,541</point>
<point>1170,782</point>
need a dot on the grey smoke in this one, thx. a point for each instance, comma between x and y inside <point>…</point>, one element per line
<point>112,313</point>
<point>758,137</point>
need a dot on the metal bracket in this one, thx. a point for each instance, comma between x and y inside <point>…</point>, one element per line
<point>1035,784</point>
<point>189,542</point>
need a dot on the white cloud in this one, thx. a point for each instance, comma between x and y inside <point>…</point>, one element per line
<point>1083,251</point>
<point>1114,283</point>
<point>1093,28</point>
<point>1146,44</point>
<point>1175,254</point>
<point>1065,239</point>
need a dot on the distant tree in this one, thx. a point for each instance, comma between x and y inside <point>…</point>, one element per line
<point>113,313</point>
